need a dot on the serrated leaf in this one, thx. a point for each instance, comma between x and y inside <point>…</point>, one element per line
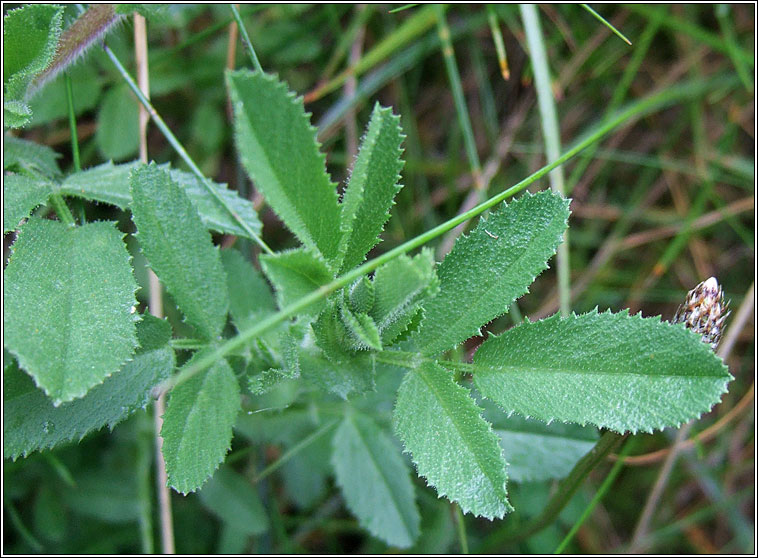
<point>32,423</point>
<point>361,328</point>
<point>30,36</point>
<point>197,425</point>
<point>452,446</point>
<point>296,273</point>
<point>625,373</point>
<point>68,296</point>
<point>250,297</point>
<point>30,158</point>
<point>401,285</point>
<point>16,114</point>
<point>179,249</point>
<point>278,148</point>
<point>361,295</point>
<point>21,194</point>
<point>109,183</point>
<point>152,333</point>
<point>372,188</point>
<point>490,268</point>
<point>235,501</point>
<point>374,480</point>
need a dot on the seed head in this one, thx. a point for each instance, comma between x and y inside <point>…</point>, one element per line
<point>704,311</point>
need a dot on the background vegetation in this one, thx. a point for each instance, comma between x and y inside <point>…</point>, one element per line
<point>660,205</point>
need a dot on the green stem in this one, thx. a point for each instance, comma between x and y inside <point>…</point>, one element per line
<point>607,24</point>
<point>635,110</point>
<point>461,525</point>
<point>246,38</point>
<point>304,443</point>
<point>61,209</point>
<point>168,134</point>
<point>551,135</point>
<point>72,124</point>
<point>598,496</point>
<point>461,110</point>
<point>566,490</point>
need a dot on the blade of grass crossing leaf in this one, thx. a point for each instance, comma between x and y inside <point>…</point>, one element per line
<point>607,24</point>
<point>630,113</point>
<point>551,135</point>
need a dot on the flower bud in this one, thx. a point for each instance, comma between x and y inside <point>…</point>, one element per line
<point>704,311</point>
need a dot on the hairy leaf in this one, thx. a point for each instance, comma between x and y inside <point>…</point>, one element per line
<point>197,425</point>
<point>374,480</point>
<point>179,249</point>
<point>109,183</point>
<point>489,269</point>
<point>372,187</point>
<point>277,146</point>
<point>361,328</point>
<point>21,194</point>
<point>294,274</point>
<point>30,36</point>
<point>16,114</point>
<point>32,423</point>
<point>250,297</point>
<point>354,375</point>
<point>583,369</point>
<point>69,297</point>
<point>29,158</point>
<point>401,286</point>
<point>449,441</point>
<point>234,499</point>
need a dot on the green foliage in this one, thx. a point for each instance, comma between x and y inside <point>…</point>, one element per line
<point>197,426</point>
<point>449,441</point>
<point>372,187</point>
<point>179,249</point>
<point>250,297</point>
<point>491,267</point>
<point>117,135</point>
<point>27,157</point>
<point>109,183</point>
<point>21,195</point>
<point>535,368</point>
<point>374,480</point>
<point>33,423</point>
<point>271,126</point>
<point>234,500</point>
<point>69,298</point>
<point>294,274</point>
<point>30,37</point>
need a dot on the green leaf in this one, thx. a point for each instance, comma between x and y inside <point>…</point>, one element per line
<point>179,249</point>
<point>374,480</point>
<point>372,187</point>
<point>197,425</point>
<point>361,328</point>
<point>583,369</point>
<point>69,298</point>
<point>401,286</point>
<point>536,451</point>
<point>234,499</point>
<point>30,36</point>
<point>489,269</point>
<point>117,135</point>
<point>109,183</point>
<point>16,114</point>
<point>294,274</point>
<point>278,148</point>
<point>152,333</point>
<point>361,295</point>
<point>354,375</point>
<point>21,194</point>
<point>250,297</point>
<point>29,158</point>
<point>32,423</point>
<point>449,441</point>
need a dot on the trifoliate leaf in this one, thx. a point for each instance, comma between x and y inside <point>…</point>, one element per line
<point>490,268</point>
<point>179,249</point>
<point>197,426</point>
<point>375,480</point>
<point>583,369</point>
<point>452,446</point>
<point>277,146</point>
<point>69,298</point>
